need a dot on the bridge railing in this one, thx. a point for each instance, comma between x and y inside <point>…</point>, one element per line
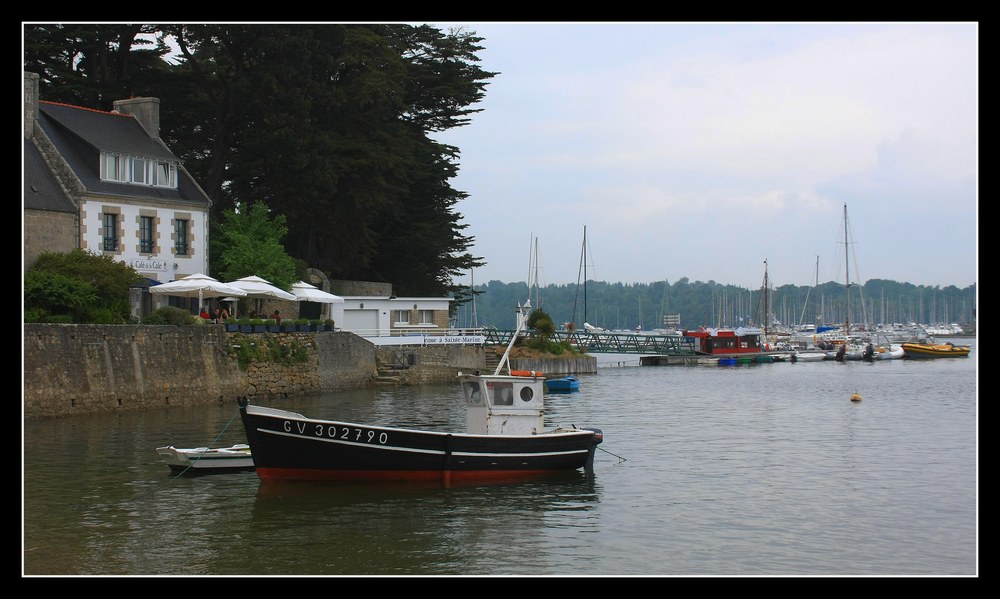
<point>610,342</point>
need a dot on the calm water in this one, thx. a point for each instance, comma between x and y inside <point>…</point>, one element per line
<point>764,470</point>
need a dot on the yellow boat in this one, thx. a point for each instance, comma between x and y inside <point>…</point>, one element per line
<point>935,350</point>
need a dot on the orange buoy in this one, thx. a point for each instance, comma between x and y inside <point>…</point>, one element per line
<point>856,396</point>
<point>526,373</point>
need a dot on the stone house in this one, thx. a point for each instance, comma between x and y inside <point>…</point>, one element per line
<point>105,182</point>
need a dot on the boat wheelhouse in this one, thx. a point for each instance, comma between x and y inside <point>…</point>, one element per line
<point>742,340</point>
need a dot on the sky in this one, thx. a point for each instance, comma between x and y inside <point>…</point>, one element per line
<point>700,150</point>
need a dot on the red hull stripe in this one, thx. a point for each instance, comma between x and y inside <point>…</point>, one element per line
<point>287,474</point>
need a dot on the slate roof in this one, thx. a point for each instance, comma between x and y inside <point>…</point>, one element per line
<point>41,191</point>
<point>81,134</point>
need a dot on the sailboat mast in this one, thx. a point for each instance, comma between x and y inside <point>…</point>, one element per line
<point>538,300</point>
<point>805,306</point>
<point>585,274</point>
<point>847,277</point>
<point>472,284</point>
<point>767,298</point>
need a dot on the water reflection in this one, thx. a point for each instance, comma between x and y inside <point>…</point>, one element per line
<point>391,528</point>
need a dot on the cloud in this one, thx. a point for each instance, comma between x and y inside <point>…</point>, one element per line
<point>691,147</point>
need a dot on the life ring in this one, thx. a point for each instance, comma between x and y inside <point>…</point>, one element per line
<point>526,373</point>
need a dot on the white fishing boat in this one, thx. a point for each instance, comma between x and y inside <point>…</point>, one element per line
<point>203,460</point>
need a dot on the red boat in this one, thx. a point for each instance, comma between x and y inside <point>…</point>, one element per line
<point>743,340</point>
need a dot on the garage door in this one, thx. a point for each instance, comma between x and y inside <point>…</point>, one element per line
<point>360,322</point>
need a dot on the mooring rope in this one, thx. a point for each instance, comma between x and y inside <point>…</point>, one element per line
<point>620,458</point>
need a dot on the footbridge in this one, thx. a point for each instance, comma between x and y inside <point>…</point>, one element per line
<point>596,342</point>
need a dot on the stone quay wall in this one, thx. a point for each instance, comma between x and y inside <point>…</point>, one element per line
<point>422,365</point>
<point>556,366</point>
<point>82,369</point>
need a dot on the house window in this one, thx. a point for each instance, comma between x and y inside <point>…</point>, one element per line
<point>140,172</point>
<point>110,232</point>
<point>402,316</point>
<point>181,237</point>
<point>112,167</point>
<point>164,174</point>
<point>146,234</point>
<point>426,316</point>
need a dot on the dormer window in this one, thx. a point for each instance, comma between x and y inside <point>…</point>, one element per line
<point>112,167</point>
<point>139,171</point>
<point>164,173</point>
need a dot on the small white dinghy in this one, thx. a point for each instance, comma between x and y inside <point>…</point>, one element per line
<point>204,460</point>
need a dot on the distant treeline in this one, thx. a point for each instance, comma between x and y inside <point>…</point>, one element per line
<point>697,303</point>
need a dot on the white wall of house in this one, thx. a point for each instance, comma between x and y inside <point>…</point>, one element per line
<point>371,316</point>
<point>163,264</point>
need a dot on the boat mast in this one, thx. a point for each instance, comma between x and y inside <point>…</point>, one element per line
<point>847,277</point>
<point>767,293</point>
<point>472,284</point>
<point>805,306</point>
<point>585,274</point>
<point>535,259</point>
<point>582,271</point>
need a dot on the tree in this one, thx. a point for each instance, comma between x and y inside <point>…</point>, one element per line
<point>248,242</point>
<point>93,65</point>
<point>330,126</point>
<point>541,323</point>
<point>327,124</point>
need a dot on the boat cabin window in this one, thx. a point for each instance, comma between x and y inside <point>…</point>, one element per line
<point>502,393</point>
<point>473,393</point>
<point>527,394</point>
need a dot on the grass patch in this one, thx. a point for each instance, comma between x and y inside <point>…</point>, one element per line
<point>249,349</point>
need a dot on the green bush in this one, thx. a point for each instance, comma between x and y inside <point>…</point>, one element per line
<point>47,293</point>
<point>260,348</point>
<point>35,314</point>
<point>90,288</point>
<point>171,315</point>
<point>58,319</point>
<point>103,315</point>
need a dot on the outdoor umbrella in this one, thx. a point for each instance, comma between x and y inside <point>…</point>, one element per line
<point>197,285</point>
<point>259,289</point>
<point>304,292</point>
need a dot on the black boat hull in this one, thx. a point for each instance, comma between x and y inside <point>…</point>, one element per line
<point>289,446</point>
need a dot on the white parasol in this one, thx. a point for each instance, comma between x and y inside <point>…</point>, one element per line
<point>258,287</point>
<point>304,292</point>
<point>197,285</point>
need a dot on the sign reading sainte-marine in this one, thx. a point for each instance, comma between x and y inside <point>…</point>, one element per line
<point>455,339</point>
